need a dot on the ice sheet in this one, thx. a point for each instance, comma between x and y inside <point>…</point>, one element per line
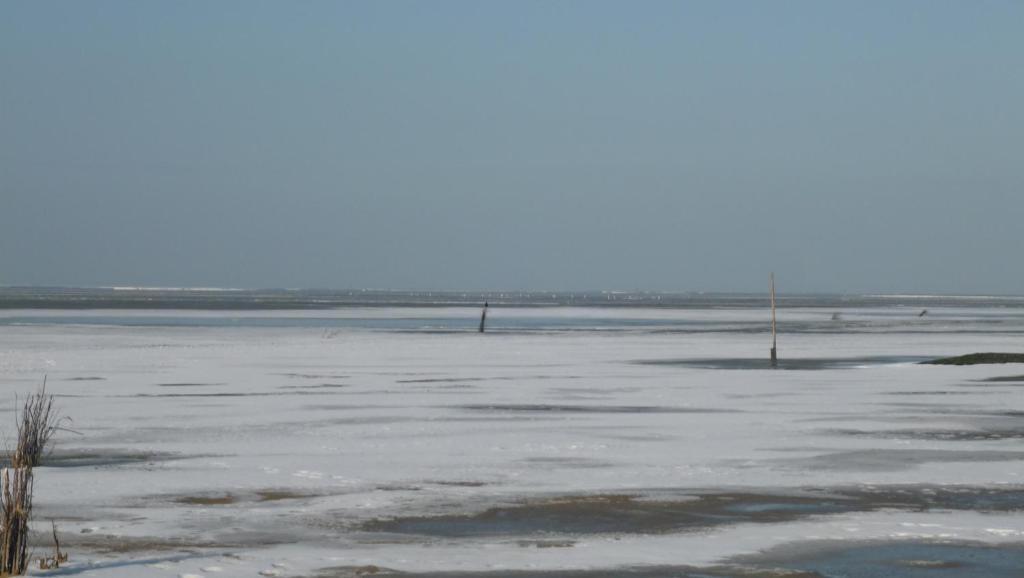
<point>183,431</point>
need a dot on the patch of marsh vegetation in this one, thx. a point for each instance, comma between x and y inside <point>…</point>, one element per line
<point>36,424</point>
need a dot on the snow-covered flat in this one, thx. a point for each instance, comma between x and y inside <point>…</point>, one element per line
<point>283,443</point>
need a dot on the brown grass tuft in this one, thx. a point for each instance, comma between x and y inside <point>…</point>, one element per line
<point>37,423</point>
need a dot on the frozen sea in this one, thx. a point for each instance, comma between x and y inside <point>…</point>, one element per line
<point>222,433</point>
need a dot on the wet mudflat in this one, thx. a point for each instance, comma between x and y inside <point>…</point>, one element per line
<point>886,460</point>
<point>234,394</point>
<point>1005,379</point>
<point>618,572</point>
<point>225,499</point>
<point>883,559</point>
<point>981,434</point>
<point>86,458</point>
<point>189,384</point>
<point>109,544</point>
<point>660,513</point>
<point>609,514</point>
<point>531,407</point>
<point>897,559</point>
<point>979,359</point>
<point>807,364</point>
<point>313,375</point>
<point>315,386</point>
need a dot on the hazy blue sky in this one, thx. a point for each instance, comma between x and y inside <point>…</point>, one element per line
<point>849,146</point>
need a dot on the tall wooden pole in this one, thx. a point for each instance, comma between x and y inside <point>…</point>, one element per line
<point>774,357</point>
<point>483,317</point>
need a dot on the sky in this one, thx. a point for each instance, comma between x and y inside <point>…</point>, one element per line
<point>869,146</point>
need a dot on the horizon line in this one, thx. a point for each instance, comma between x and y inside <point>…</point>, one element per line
<point>874,294</point>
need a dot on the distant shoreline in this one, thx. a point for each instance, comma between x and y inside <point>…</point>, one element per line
<point>214,299</point>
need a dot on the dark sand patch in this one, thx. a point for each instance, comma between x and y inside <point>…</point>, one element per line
<point>340,406</point>
<point>86,378</point>
<point>100,458</point>
<point>924,498</point>
<point>878,559</point>
<point>213,500</point>
<point>459,390</point>
<point>317,386</point>
<point>368,420</point>
<point>529,407</point>
<point>313,375</point>
<point>937,434</point>
<point>771,395</point>
<point>461,387</point>
<point>629,514</point>
<point>927,409</point>
<point>496,419</point>
<point>806,364</point>
<point>567,462</point>
<point>600,514</point>
<point>229,498</point>
<point>278,495</point>
<point>998,381</point>
<point>496,378</point>
<point>1007,413</point>
<point>597,391</point>
<point>546,543</point>
<point>639,437</point>
<point>936,392</point>
<point>398,488</point>
<point>233,394</point>
<point>963,408</point>
<point>187,384</point>
<point>451,390</point>
<point>895,559</point>
<point>356,571</point>
<point>121,545</point>
<point>442,380</point>
<point>898,417</point>
<point>1005,379</point>
<point>909,559</point>
<point>877,460</point>
<point>978,359</point>
<point>110,544</point>
<point>616,572</point>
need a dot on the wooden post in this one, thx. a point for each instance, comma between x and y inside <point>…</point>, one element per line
<point>483,317</point>
<point>774,355</point>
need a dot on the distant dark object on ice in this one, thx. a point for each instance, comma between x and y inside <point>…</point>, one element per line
<point>978,359</point>
<point>923,313</point>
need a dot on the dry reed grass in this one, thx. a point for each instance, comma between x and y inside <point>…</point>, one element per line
<point>37,423</point>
